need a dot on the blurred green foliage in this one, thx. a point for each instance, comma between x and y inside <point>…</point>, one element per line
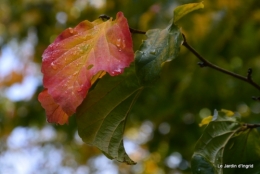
<point>226,33</point>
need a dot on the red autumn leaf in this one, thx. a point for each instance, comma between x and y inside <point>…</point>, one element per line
<point>54,112</point>
<point>77,55</point>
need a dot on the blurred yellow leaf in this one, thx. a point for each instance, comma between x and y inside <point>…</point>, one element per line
<point>182,10</point>
<point>227,112</point>
<point>150,166</point>
<point>205,121</point>
<point>12,78</point>
<point>31,17</point>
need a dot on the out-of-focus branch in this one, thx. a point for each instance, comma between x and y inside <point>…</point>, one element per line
<point>206,63</point>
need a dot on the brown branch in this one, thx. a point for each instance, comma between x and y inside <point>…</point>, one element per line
<point>134,31</point>
<point>251,126</point>
<point>206,63</point>
<point>104,17</point>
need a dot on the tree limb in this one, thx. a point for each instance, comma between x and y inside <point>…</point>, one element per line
<point>205,63</point>
<point>251,126</point>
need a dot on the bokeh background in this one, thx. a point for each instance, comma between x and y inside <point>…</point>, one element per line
<point>162,128</point>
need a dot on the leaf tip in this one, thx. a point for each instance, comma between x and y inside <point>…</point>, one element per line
<point>54,112</point>
<point>183,10</point>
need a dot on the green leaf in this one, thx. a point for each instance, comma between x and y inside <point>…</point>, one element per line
<point>101,118</point>
<point>254,170</point>
<point>243,149</point>
<point>201,165</point>
<point>208,155</point>
<point>182,10</point>
<point>162,45</point>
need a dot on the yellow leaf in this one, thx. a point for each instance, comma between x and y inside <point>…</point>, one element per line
<point>99,75</point>
<point>205,121</point>
<point>182,10</point>
<point>227,112</point>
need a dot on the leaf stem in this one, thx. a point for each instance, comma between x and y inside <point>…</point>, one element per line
<point>205,63</point>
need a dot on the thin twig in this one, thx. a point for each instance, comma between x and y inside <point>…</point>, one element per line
<point>256,98</point>
<point>104,17</point>
<point>205,63</point>
<point>251,126</point>
<point>134,31</point>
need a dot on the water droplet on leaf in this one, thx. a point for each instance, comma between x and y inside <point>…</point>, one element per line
<point>123,44</point>
<point>80,88</point>
<point>53,65</point>
<point>71,30</point>
<point>120,44</point>
<point>116,72</point>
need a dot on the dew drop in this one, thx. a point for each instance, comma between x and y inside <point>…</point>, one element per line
<point>123,44</point>
<point>118,43</point>
<point>71,30</point>
<point>80,88</point>
<point>75,73</point>
<point>53,65</point>
<point>116,72</point>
